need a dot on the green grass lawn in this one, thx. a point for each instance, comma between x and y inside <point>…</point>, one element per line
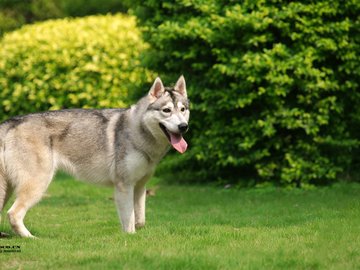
<point>192,228</point>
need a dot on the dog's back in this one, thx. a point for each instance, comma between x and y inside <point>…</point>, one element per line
<point>78,141</point>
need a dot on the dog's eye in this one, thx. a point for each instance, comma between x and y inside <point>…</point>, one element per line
<point>166,110</point>
<point>183,109</point>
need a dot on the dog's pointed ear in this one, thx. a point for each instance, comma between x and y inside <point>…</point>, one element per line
<point>180,86</point>
<point>157,89</point>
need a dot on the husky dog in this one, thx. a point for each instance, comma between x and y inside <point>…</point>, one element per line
<point>115,147</point>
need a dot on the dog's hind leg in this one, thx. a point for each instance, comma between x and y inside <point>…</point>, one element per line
<point>30,183</point>
<point>5,193</point>
<point>27,195</point>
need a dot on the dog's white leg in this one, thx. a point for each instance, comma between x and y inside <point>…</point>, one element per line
<point>139,200</point>
<point>124,198</point>
<point>28,193</point>
<point>16,216</point>
<point>24,201</point>
<point>3,191</point>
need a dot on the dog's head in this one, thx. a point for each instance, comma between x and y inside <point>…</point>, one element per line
<point>169,109</point>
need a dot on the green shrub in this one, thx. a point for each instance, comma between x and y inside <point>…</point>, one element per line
<point>87,62</point>
<point>15,13</point>
<point>274,85</point>
<point>9,22</point>
<point>79,8</point>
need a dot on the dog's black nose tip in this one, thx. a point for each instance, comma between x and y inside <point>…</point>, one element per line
<point>183,127</point>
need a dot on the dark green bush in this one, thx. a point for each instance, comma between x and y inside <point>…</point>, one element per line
<point>9,22</point>
<point>274,85</point>
<point>86,62</point>
<point>80,8</point>
<point>15,13</point>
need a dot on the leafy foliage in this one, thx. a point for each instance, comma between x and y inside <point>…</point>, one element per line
<point>89,7</point>
<point>87,62</point>
<point>15,13</point>
<point>274,85</point>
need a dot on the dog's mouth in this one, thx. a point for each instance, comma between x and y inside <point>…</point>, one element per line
<point>175,139</point>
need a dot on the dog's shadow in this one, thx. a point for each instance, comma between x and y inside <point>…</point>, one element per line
<point>5,230</point>
<point>7,234</point>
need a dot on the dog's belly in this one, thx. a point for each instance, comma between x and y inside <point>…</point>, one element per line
<point>99,172</point>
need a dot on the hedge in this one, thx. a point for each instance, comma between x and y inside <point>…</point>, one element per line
<point>87,62</point>
<point>274,86</point>
<point>15,13</point>
<point>79,8</point>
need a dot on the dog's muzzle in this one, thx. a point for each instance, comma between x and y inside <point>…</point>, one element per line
<point>183,127</point>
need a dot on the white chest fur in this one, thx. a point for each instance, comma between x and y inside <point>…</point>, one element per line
<point>137,166</point>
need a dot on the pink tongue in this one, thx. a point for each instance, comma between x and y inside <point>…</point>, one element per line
<point>178,142</point>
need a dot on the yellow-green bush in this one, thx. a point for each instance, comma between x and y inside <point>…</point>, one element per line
<point>86,62</point>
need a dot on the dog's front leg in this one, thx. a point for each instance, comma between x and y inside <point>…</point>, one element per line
<point>139,200</point>
<point>124,198</point>
<point>140,197</point>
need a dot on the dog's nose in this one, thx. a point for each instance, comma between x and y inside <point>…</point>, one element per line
<point>183,127</point>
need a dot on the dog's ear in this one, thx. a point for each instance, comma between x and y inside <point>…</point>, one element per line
<point>180,86</point>
<point>156,90</point>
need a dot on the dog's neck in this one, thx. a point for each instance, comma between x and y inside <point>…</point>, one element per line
<point>154,146</point>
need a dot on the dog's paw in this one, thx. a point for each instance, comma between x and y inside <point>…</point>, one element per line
<point>140,225</point>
